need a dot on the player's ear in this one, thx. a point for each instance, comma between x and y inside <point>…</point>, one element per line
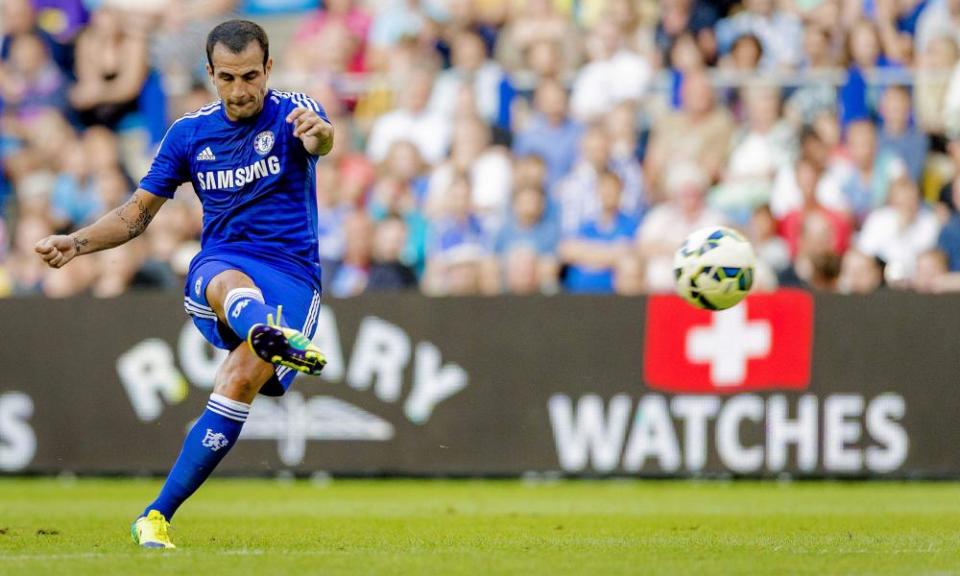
<point>209,71</point>
<point>268,66</point>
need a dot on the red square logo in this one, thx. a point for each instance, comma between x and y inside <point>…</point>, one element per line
<point>764,343</point>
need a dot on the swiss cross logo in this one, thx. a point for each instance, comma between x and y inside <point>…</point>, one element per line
<point>763,343</point>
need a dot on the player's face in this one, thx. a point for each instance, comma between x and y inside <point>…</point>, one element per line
<point>240,79</point>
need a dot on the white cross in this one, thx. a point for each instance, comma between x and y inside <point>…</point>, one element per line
<point>728,344</point>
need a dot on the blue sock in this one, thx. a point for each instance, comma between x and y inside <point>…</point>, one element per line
<point>244,308</point>
<point>214,434</point>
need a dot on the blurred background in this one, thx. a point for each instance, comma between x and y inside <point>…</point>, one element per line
<point>514,146</point>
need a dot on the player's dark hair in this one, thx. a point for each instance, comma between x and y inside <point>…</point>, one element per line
<point>236,35</point>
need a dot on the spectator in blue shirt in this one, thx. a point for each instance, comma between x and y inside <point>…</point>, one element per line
<point>551,134</point>
<point>528,227</point>
<point>897,135</point>
<point>594,252</point>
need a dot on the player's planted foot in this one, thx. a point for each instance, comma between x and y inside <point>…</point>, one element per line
<point>286,347</point>
<point>151,531</point>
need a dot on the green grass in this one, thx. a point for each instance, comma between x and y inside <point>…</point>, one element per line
<point>488,527</point>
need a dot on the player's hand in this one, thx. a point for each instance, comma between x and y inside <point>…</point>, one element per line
<point>306,122</point>
<point>56,251</point>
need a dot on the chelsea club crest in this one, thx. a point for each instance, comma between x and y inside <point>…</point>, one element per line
<point>263,143</point>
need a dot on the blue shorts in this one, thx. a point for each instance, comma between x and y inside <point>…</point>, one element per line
<point>300,299</point>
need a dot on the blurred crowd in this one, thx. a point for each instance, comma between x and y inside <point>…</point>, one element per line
<point>514,146</point>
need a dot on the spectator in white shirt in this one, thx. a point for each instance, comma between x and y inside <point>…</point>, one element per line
<point>614,74</point>
<point>429,132</point>
<point>901,231</point>
<point>471,67</point>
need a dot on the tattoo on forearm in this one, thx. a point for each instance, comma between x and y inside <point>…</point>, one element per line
<point>79,243</point>
<point>140,218</point>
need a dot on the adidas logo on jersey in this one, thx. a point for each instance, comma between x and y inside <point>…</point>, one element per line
<point>207,154</point>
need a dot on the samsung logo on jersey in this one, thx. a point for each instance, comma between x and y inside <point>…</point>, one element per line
<point>226,179</point>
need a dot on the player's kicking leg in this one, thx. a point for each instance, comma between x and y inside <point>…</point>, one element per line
<point>261,325</point>
<point>240,305</point>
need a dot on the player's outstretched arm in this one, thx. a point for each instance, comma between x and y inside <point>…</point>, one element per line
<point>315,132</point>
<point>112,229</point>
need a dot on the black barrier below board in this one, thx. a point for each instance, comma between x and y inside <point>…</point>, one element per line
<point>784,384</point>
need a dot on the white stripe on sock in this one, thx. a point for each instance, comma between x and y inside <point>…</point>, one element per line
<point>235,405</point>
<point>213,404</point>
<point>225,414</point>
<point>238,293</point>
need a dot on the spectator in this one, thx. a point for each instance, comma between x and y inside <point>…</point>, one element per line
<point>457,247</point>
<point>780,33</point>
<point>32,81</point>
<point>551,134</point>
<point>758,152</point>
<point>487,167</point>
<point>335,15</point>
<point>395,21</point>
<point>700,133</point>
<point>818,48</point>
<point>429,132</point>
<point>865,180</point>
<point>325,65</point>
<point>771,249</point>
<point>812,99</point>
<point>949,238</point>
<point>817,265</point>
<point>694,17</point>
<point>897,136</point>
<point>537,21</point>
<point>614,74</point>
<point>939,18</point>
<point>528,226</point>
<point>624,137</point>
<point>593,252</point>
<point>936,94</point>
<point>402,184</point>
<point>26,270</point>
<point>388,272</point>
<point>529,171</point>
<point>19,17</point>
<point>401,191</point>
<point>786,195</point>
<point>667,225</point>
<point>745,55</point>
<point>352,274</point>
<point>74,201</point>
<point>900,231</point>
<point>473,70</point>
<point>808,175</point>
<point>112,66</point>
<point>860,273</point>
<point>37,147</point>
<point>577,195</point>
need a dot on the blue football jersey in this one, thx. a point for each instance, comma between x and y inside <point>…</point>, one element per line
<point>255,180</point>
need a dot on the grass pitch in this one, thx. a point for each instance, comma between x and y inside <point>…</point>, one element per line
<point>487,527</point>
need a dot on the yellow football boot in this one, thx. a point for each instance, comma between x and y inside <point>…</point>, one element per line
<point>151,531</point>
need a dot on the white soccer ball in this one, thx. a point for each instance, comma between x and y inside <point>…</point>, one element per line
<point>714,268</point>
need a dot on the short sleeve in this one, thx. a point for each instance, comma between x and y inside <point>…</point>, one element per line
<point>170,167</point>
